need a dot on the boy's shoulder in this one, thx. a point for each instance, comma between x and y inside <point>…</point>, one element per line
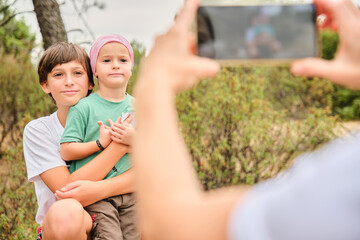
<point>48,125</point>
<point>42,121</point>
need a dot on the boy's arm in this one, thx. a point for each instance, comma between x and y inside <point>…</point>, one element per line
<point>88,192</point>
<point>95,170</point>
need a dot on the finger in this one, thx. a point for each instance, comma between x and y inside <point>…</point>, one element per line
<point>129,118</point>
<point>100,123</point>
<point>70,186</point>
<point>315,67</point>
<point>126,125</point>
<point>110,122</point>
<point>117,127</point>
<point>203,67</point>
<point>340,10</point>
<point>57,196</point>
<point>63,195</point>
<point>118,120</point>
<point>186,16</point>
<point>121,127</point>
<point>115,134</point>
<point>115,139</point>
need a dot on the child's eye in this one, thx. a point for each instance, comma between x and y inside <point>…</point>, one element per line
<point>123,60</point>
<point>106,60</point>
<point>78,73</point>
<point>57,74</point>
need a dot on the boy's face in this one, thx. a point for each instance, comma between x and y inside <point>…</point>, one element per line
<point>113,65</point>
<point>67,83</point>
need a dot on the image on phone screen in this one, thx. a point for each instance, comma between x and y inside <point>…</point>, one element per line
<point>257,32</point>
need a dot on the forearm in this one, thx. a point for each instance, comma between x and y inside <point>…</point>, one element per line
<point>121,184</point>
<point>167,181</point>
<point>75,150</point>
<point>88,192</point>
<point>101,165</point>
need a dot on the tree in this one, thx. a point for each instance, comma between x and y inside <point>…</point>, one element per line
<point>15,36</point>
<point>50,22</point>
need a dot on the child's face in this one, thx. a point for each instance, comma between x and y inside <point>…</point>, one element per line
<point>113,65</point>
<point>67,83</point>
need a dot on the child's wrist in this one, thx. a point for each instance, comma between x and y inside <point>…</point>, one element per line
<point>99,145</point>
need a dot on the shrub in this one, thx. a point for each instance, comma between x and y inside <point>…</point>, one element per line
<point>18,201</point>
<point>20,94</point>
<point>237,132</point>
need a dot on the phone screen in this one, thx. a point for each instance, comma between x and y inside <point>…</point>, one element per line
<point>257,32</point>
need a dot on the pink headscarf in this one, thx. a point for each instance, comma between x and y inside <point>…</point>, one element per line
<point>101,41</point>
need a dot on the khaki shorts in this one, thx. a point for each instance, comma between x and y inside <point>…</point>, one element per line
<point>114,218</point>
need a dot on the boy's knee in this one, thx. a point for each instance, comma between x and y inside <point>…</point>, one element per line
<point>64,220</point>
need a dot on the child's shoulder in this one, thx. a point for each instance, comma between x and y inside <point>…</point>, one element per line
<point>86,101</point>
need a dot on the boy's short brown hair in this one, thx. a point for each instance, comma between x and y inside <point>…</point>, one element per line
<point>60,53</point>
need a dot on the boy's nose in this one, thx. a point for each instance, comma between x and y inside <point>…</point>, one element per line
<point>69,80</point>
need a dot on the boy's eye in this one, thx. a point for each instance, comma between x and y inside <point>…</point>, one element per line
<point>78,73</point>
<point>57,75</point>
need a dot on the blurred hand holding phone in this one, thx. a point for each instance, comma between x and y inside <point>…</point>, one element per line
<point>239,31</point>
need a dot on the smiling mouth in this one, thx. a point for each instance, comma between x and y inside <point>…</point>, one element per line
<point>70,91</point>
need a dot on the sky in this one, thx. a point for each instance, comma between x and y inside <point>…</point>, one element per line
<point>139,20</point>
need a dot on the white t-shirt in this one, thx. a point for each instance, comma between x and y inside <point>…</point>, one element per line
<point>317,198</point>
<point>41,142</point>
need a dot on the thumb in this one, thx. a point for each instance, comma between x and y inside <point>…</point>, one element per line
<point>101,124</point>
<point>204,67</point>
<point>69,187</point>
<point>312,67</point>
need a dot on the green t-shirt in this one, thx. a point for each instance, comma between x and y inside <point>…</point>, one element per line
<point>81,126</point>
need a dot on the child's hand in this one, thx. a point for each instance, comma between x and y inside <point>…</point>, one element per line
<point>122,133</point>
<point>104,134</point>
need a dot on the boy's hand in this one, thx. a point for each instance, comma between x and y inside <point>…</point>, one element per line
<point>104,134</point>
<point>122,133</point>
<point>82,190</point>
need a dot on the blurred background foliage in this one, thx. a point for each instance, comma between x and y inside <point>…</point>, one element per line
<point>242,127</point>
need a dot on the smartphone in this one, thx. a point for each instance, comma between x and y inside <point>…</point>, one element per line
<point>249,31</point>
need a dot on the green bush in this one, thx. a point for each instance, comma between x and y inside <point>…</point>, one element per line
<point>18,201</point>
<point>20,94</point>
<point>238,130</point>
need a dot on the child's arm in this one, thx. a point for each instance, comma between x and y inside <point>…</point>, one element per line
<point>77,150</point>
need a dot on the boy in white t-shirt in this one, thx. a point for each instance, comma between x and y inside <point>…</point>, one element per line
<point>65,74</point>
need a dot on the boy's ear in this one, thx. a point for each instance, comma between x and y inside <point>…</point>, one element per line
<point>44,87</point>
<point>91,86</point>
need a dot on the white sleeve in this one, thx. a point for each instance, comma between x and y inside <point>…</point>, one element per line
<point>41,150</point>
<point>318,198</point>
